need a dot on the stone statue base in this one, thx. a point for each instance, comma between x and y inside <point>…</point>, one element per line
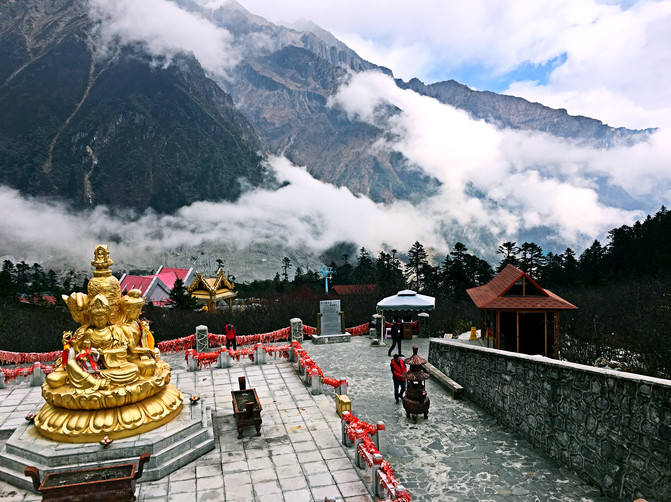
<point>172,446</point>
<point>89,426</point>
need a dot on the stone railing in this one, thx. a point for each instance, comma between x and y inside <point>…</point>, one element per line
<point>611,428</point>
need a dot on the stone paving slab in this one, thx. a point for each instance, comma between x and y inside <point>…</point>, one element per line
<point>298,456</point>
<point>458,454</point>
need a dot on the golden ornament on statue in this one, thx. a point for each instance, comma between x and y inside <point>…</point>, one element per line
<point>110,381</point>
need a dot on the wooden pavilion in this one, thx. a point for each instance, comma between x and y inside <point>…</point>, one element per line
<point>520,315</point>
<point>212,290</point>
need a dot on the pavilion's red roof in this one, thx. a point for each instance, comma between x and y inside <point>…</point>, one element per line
<point>490,296</point>
<point>354,289</point>
<point>37,299</point>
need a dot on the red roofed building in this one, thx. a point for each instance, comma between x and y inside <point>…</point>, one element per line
<point>522,316</point>
<point>354,289</point>
<point>156,288</point>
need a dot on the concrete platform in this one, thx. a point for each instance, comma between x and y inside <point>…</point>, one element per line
<point>171,446</point>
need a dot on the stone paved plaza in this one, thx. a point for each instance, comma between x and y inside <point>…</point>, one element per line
<point>458,453</point>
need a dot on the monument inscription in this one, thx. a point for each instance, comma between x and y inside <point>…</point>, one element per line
<point>330,323</point>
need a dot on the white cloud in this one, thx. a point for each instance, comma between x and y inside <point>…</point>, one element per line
<point>614,57</point>
<point>529,180</point>
<point>304,213</point>
<point>165,30</point>
<point>614,70</point>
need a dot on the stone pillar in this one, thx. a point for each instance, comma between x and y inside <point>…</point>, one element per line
<point>374,332</point>
<point>259,355</point>
<point>342,321</point>
<point>296,330</point>
<point>38,376</point>
<point>379,438</point>
<point>423,322</point>
<point>308,377</point>
<point>343,425</point>
<point>191,361</point>
<point>316,387</point>
<point>2,379</point>
<point>299,366</point>
<point>399,490</point>
<point>202,344</point>
<point>224,359</point>
<point>358,439</point>
<point>342,389</point>
<point>374,482</point>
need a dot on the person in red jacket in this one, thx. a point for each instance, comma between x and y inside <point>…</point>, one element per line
<point>230,336</point>
<point>397,370</point>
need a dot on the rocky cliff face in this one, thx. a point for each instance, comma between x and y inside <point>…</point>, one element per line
<point>518,113</point>
<point>111,128</point>
<point>288,74</point>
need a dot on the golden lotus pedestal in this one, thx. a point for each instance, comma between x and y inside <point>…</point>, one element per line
<point>88,426</point>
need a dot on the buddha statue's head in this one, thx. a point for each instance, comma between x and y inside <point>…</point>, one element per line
<point>99,311</point>
<point>133,303</point>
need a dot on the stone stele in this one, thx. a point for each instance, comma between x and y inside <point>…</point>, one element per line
<point>110,380</point>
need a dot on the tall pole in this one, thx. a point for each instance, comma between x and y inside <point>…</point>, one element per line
<point>326,272</point>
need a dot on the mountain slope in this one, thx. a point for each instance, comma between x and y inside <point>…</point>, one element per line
<point>115,130</point>
<point>288,75</point>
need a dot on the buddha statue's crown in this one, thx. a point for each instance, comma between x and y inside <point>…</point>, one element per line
<point>99,304</point>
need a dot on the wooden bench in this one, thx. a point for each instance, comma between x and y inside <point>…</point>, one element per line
<point>456,389</point>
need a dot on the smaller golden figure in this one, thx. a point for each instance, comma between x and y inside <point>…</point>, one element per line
<point>110,380</point>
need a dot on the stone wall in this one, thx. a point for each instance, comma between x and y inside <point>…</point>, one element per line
<point>612,428</point>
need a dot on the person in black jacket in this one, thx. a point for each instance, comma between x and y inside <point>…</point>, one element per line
<point>396,336</point>
<point>397,369</point>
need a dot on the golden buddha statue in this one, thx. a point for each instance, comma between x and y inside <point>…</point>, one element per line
<point>111,380</point>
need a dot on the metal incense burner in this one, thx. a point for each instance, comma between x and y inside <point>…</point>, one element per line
<point>415,400</point>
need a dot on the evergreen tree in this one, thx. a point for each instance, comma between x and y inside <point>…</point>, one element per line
<point>286,265</point>
<point>7,279</point>
<point>181,298</point>
<point>531,259</point>
<point>462,270</point>
<point>364,271</point>
<point>38,278</point>
<point>51,285</point>
<point>570,265</point>
<point>510,253</point>
<point>592,265</point>
<point>68,282</point>
<point>389,274</point>
<point>343,273</point>
<point>416,266</point>
<point>22,276</point>
<point>299,278</point>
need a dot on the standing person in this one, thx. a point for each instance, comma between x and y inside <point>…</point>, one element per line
<point>396,336</point>
<point>230,336</point>
<point>397,369</point>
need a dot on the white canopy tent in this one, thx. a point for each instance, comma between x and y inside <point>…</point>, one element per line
<point>404,302</point>
<point>407,300</point>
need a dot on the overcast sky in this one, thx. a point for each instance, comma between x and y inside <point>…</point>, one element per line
<point>608,60</point>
